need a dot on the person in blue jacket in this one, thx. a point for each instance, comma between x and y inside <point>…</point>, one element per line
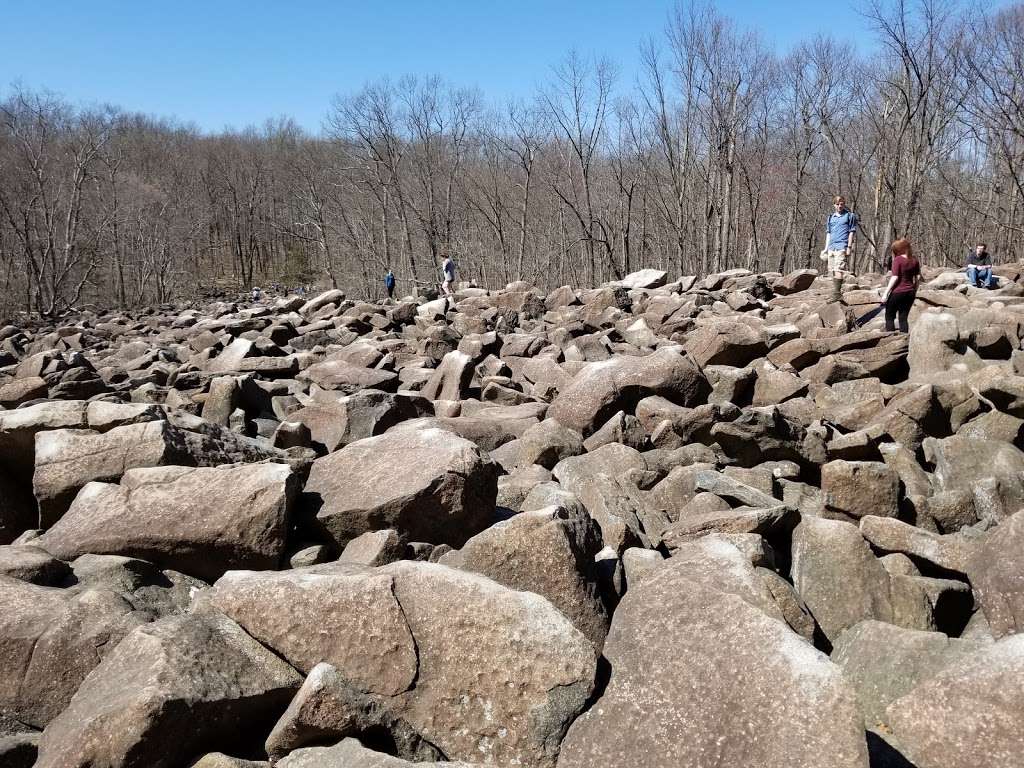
<point>389,283</point>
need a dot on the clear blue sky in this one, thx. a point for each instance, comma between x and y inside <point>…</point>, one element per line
<point>229,63</point>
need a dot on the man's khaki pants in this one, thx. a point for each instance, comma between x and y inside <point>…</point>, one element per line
<point>837,268</point>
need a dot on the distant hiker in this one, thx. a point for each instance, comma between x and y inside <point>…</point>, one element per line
<point>840,233</point>
<point>979,268</point>
<point>898,296</point>
<point>389,283</point>
<point>760,290</point>
<point>256,294</point>
<point>447,275</point>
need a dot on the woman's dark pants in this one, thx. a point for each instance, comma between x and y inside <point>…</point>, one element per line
<point>898,304</point>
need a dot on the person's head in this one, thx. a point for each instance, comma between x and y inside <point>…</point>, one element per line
<point>902,248</point>
<point>979,248</point>
<point>389,269</point>
<point>839,203</point>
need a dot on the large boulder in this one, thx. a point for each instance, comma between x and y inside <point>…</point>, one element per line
<point>548,551</point>
<point>360,626</point>
<point>454,690</point>
<point>50,639</point>
<point>67,459</point>
<point>343,376</point>
<point>600,480</point>
<point>842,582</point>
<point>645,278</point>
<point>425,483</point>
<point>726,342</point>
<point>172,690</point>
<point>598,391</point>
<point>968,714</point>
<point>200,521</point>
<point>884,662</point>
<point>701,676</point>
<point>859,488</point>
<point>18,429</point>
<point>997,575</point>
<point>451,379</point>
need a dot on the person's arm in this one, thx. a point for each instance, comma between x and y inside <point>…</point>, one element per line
<point>828,232</point>
<point>888,288</point>
<point>853,233</point>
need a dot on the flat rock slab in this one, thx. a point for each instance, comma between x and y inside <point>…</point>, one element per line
<point>200,521</point>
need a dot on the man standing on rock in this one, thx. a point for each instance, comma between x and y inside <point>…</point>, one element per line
<point>840,233</point>
<point>979,268</point>
<point>389,283</point>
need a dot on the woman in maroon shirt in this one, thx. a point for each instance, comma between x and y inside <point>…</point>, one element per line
<point>899,294</point>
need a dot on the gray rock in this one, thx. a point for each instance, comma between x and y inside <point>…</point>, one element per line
<point>884,662</point>
<point>200,521</point>
<point>550,552</point>
<point>177,688</point>
<point>859,488</point>
<point>837,577</point>
<point>426,483</point>
<point>600,390</point>
<point>454,691</point>
<point>966,715</point>
<point>702,676</point>
<point>998,578</point>
<point>50,640</point>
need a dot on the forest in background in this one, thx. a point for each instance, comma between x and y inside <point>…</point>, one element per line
<point>721,154</point>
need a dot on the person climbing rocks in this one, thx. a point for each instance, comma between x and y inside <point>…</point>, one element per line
<point>901,290</point>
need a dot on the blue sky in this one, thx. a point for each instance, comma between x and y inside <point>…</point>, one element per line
<point>228,63</point>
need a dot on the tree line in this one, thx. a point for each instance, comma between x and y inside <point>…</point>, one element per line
<point>721,154</point>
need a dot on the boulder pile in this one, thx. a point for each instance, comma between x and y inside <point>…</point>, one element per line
<point>659,522</point>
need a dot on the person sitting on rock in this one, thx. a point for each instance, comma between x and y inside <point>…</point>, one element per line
<point>898,296</point>
<point>979,268</point>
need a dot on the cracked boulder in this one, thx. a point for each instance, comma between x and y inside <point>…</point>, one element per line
<point>50,639</point>
<point>412,673</point>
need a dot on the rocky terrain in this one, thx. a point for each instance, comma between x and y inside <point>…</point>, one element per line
<point>655,523</point>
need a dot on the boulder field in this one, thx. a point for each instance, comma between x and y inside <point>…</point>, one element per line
<point>671,523</point>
